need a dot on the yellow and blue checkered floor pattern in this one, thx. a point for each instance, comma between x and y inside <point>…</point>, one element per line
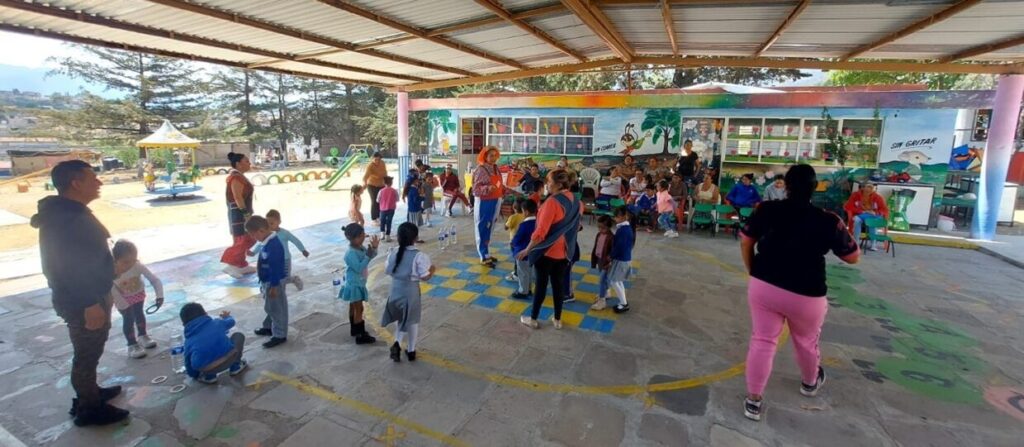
<point>467,281</point>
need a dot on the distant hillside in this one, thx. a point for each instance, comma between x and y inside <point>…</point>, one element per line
<point>35,80</point>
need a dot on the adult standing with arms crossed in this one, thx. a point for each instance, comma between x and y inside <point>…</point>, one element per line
<point>79,269</point>
<point>373,178</point>
<point>489,191</point>
<point>787,282</point>
<point>239,196</point>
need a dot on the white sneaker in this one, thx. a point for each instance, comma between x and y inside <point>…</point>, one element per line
<point>600,304</point>
<point>298,282</point>
<point>146,342</point>
<point>556,323</point>
<point>671,234</point>
<point>429,225</point>
<point>247,270</point>
<point>233,271</point>
<point>136,352</point>
<point>529,322</point>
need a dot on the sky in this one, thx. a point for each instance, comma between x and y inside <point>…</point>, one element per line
<point>25,64</point>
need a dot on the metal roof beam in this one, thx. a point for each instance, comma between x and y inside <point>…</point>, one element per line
<point>984,49</point>
<point>299,34</point>
<point>783,27</point>
<point>919,25</point>
<point>495,7</point>
<point>76,16</point>
<point>658,62</point>
<point>420,33</point>
<point>165,53</point>
<point>592,16</point>
<point>666,15</point>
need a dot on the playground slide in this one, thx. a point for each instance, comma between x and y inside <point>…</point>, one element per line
<point>351,161</point>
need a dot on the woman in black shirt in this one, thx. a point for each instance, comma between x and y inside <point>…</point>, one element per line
<point>787,281</point>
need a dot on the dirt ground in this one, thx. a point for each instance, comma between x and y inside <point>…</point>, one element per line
<point>124,206</point>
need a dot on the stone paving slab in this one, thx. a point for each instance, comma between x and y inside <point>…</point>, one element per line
<point>895,331</point>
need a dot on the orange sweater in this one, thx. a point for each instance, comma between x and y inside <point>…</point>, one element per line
<point>549,213</point>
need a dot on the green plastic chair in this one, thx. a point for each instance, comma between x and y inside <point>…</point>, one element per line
<point>745,213</point>
<point>880,234</point>
<point>723,218</point>
<point>702,215</point>
<point>601,208</point>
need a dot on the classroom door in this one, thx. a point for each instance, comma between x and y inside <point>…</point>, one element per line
<point>472,141</point>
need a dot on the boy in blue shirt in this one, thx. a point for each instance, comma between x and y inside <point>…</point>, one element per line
<point>271,271</point>
<point>286,237</point>
<point>647,205</point>
<point>208,350</point>
<point>519,243</point>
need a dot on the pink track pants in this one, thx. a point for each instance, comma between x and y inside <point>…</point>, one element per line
<point>770,307</point>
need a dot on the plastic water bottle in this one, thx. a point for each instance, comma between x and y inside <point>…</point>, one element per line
<point>452,236</point>
<point>177,354</point>
<point>442,239</point>
<point>336,283</point>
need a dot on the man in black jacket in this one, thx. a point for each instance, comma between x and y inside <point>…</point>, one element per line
<point>79,269</point>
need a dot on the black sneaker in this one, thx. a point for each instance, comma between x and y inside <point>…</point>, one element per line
<point>410,355</point>
<point>396,352</point>
<point>263,332</point>
<point>812,390</point>
<point>274,341</point>
<point>621,308</point>
<point>106,394</point>
<point>104,414</point>
<point>521,296</point>
<point>752,409</point>
<point>364,339</point>
<point>569,299</point>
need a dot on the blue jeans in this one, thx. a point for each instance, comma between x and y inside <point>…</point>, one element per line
<point>858,223</point>
<point>386,217</point>
<point>602,291</point>
<point>484,220</point>
<point>665,222</point>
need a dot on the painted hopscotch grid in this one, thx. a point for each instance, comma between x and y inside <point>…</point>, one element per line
<point>466,281</point>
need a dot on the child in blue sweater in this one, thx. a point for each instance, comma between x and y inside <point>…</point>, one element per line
<point>647,205</point>
<point>622,256</point>
<point>519,242</point>
<point>286,237</point>
<point>272,274</point>
<point>208,350</point>
<point>415,200</point>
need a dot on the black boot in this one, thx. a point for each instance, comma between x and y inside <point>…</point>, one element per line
<point>396,352</point>
<point>102,414</point>
<point>106,394</point>
<point>411,355</point>
<point>363,338</point>
<point>352,330</point>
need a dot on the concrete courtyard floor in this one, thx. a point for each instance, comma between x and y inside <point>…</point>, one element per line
<point>924,349</point>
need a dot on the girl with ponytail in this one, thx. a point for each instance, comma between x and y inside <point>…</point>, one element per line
<point>406,266</point>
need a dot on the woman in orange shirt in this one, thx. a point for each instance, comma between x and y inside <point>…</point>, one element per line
<point>552,245</point>
<point>488,188</point>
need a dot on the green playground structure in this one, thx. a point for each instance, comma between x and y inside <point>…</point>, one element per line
<point>347,164</point>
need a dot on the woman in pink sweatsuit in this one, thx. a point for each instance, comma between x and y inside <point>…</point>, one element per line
<point>787,282</point>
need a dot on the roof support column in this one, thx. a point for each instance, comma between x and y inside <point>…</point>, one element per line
<point>996,160</point>
<point>403,138</point>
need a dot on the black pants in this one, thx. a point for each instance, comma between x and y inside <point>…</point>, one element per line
<point>553,271</point>
<point>132,318</point>
<point>374,206</point>
<point>88,348</point>
<point>385,221</point>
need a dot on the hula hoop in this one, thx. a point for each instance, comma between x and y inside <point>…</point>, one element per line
<point>178,388</point>
<point>152,309</point>
<point>158,380</point>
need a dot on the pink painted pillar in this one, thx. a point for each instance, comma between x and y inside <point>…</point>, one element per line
<point>996,160</point>
<point>404,160</point>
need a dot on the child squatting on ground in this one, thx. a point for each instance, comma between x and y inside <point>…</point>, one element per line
<point>208,350</point>
<point>129,294</point>
<point>286,237</point>
<point>406,266</point>
<point>619,264</point>
<point>356,262</point>
<point>355,213</point>
<point>272,274</point>
<point>519,242</point>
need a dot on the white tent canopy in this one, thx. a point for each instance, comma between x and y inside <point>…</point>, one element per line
<point>167,136</point>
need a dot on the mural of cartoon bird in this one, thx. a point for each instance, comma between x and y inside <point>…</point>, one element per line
<point>630,140</point>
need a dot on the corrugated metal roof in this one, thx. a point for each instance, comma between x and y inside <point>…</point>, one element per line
<point>827,28</point>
